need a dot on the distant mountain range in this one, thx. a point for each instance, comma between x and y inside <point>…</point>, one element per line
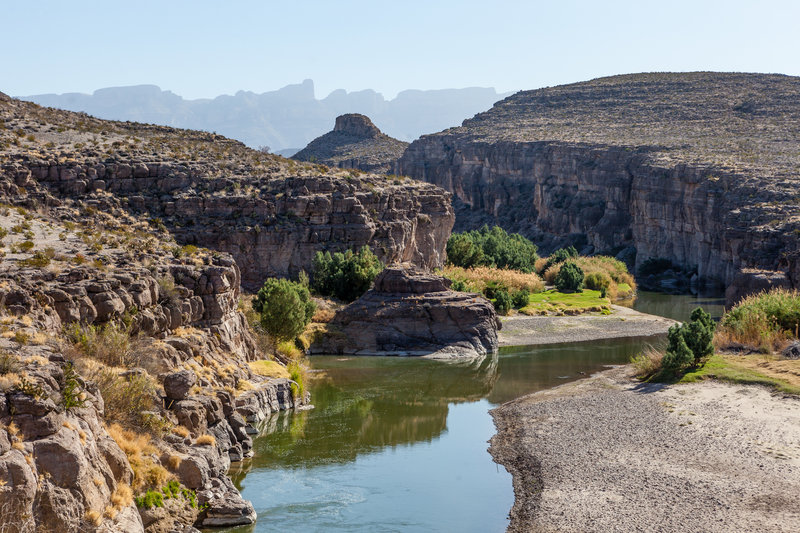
<point>286,119</point>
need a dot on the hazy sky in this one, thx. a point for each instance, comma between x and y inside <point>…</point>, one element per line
<point>202,48</point>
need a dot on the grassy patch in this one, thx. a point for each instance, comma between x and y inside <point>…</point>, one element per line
<point>559,303</point>
<point>764,321</point>
<point>270,369</point>
<point>478,279</point>
<point>744,370</point>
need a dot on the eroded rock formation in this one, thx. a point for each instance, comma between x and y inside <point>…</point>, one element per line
<point>411,312</point>
<point>355,142</point>
<point>698,168</point>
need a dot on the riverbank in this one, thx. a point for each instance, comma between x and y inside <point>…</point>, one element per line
<point>623,322</point>
<point>608,453</point>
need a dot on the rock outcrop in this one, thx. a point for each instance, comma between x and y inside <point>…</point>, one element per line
<point>355,142</point>
<point>697,168</point>
<point>271,214</point>
<point>412,313</point>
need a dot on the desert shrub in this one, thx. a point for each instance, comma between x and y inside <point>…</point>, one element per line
<point>128,399</point>
<point>569,278</point>
<point>689,345</point>
<point>598,281</point>
<point>765,320</point>
<point>345,275</point>
<point>502,301</point>
<point>520,298</point>
<point>110,343</point>
<point>70,393</point>
<point>491,247</point>
<point>559,256</point>
<point>285,307</point>
<point>9,364</point>
<point>40,259</point>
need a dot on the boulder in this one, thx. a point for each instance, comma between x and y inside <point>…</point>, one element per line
<point>751,281</point>
<point>178,384</point>
<point>792,351</point>
<point>413,312</point>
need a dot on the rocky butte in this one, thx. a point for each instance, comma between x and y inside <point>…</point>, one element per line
<point>355,142</point>
<point>699,168</point>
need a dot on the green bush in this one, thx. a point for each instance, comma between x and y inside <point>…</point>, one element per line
<point>345,275</point>
<point>285,307</point>
<point>598,281</point>
<point>502,301</point>
<point>491,247</point>
<point>520,298</point>
<point>569,278</point>
<point>690,344</point>
<point>559,256</point>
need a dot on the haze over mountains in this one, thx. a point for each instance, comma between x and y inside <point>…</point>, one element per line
<point>288,118</point>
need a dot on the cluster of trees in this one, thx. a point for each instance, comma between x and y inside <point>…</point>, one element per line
<point>286,307</point>
<point>492,247</point>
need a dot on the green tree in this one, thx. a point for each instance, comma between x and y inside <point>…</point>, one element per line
<point>492,247</point>
<point>285,307</point>
<point>678,355</point>
<point>559,256</point>
<point>520,298</point>
<point>690,345</point>
<point>345,275</point>
<point>569,278</point>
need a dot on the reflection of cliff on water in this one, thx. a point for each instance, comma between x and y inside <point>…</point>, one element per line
<point>366,404</point>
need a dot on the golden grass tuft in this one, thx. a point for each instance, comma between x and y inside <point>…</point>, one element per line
<point>181,431</point>
<point>98,482</point>
<point>476,279</point>
<point>271,369</point>
<point>206,440</point>
<point>122,496</point>
<point>648,362</point>
<point>174,462</point>
<point>94,517</point>
<point>141,453</point>
<point>323,315</point>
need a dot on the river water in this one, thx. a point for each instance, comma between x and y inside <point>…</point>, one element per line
<point>400,444</point>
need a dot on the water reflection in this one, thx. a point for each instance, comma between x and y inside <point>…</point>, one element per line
<point>679,307</point>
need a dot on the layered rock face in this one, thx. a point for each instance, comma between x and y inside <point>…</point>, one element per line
<point>355,142</point>
<point>413,313</point>
<point>270,213</point>
<point>697,168</point>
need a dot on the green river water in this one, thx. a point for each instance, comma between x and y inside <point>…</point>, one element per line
<point>400,444</point>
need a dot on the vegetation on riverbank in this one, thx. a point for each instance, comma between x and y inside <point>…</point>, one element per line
<point>491,247</point>
<point>747,344</point>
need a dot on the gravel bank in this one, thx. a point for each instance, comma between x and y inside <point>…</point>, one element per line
<point>624,322</point>
<point>609,454</point>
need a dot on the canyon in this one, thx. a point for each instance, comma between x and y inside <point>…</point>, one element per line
<point>697,168</point>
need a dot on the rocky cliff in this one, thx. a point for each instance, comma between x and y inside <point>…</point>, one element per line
<point>413,313</point>
<point>699,168</point>
<point>269,213</point>
<point>355,142</point>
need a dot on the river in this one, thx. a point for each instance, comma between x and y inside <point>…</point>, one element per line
<point>398,444</point>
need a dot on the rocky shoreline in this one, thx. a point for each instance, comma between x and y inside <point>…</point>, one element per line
<point>608,453</point>
<point>623,322</point>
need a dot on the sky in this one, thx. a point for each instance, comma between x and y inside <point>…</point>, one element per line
<point>200,48</point>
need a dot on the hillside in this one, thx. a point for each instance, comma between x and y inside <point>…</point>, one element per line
<point>699,168</point>
<point>355,142</point>
<point>287,118</point>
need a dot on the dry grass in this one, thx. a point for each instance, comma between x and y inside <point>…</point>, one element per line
<point>622,284</point>
<point>94,517</point>
<point>181,431</point>
<point>476,279</point>
<point>122,496</point>
<point>142,456</point>
<point>323,316</point>
<point>772,366</point>
<point>206,440</point>
<point>271,369</point>
<point>765,322</point>
<point>174,462</point>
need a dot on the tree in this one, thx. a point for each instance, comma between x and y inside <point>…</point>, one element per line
<point>520,298</point>
<point>690,344</point>
<point>491,247</point>
<point>678,355</point>
<point>569,278</point>
<point>559,256</point>
<point>502,302</point>
<point>345,275</point>
<point>285,307</point>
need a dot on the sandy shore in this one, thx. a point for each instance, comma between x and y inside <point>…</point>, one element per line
<point>610,454</point>
<point>624,322</point>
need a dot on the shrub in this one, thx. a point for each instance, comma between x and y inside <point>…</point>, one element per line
<point>127,397</point>
<point>520,298</point>
<point>345,275</point>
<point>479,278</point>
<point>569,278</point>
<point>285,307</point>
<point>502,301</point>
<point>598,281</point>
<point>297,374</point>
<point>491,247</point>
<point>9,364</point>
<point>689,345</point>
<point>765,320</point>
<point>559,256</point>
<point>110,344</point>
